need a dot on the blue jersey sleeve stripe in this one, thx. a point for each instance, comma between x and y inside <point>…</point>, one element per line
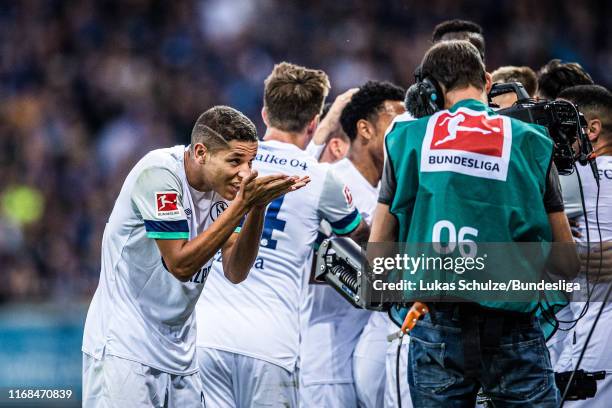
<point>166,226</point>
<point>342,223</point>
<point>350,227</point>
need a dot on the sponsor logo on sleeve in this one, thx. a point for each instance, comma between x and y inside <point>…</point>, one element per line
<point>468,142</point>
<point>167,204</point>
<point>347,195</point>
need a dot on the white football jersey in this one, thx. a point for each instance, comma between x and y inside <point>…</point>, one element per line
<point>331,325</point>
<point>260,316</point>
<point>573,203</point>
<point>597,356</point>
<point>140,311</point>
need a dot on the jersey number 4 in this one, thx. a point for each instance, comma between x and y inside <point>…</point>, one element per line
<point>272,223</point>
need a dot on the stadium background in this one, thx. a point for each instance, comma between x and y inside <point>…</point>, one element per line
<point>86,87</point>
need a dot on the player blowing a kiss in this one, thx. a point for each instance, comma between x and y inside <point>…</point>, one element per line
<point>172,215</point>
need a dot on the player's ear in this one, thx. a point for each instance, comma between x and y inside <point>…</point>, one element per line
<point>488,82</point>
<point>365,129</point>
<point>312,126</point>
<point>594,129</point>
<point>200,153</point>
<point>264,116</point>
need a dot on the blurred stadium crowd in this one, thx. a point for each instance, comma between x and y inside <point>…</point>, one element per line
<point>86,87</point>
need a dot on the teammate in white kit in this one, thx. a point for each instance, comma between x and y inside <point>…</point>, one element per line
<point>332,325</point>
<point>329,142</point>
<point>166,225</point>
<point>248,334</point>
<point>595,102</point>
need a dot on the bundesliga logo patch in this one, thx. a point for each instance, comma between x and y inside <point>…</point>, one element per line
<point>468,142</point>
<point>167,204</point>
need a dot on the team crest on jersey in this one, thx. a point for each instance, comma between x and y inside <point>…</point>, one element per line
<point>216,209</point>
<point>167,204</point>
<point>347,195</point>
<point>468,142</point>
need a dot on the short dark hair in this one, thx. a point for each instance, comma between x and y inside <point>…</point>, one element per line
<point>525,75</point>
<point>460,30</point>
<point>219,125</point>
<point>555,76</point>
<point>294,95</point>
<point>366,103</point>
<point>593,101</point>
<point>455,64</point>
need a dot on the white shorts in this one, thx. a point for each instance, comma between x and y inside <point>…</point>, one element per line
<point>117,382</point>
<point>327,395</point>
<point>597,356</point>
<point>233,380</point>
<point>369,362</point>
<point>391,366</point>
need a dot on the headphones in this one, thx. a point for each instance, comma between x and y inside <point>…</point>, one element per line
<point>424,97</point>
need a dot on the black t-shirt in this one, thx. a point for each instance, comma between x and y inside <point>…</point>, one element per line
<point>553,200</point>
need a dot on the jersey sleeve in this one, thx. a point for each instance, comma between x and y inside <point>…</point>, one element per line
<point>158,197</point>
<point>336,206</point>
<point>553,199</point>
<point>314,149</point>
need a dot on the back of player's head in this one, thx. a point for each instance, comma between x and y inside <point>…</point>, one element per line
<point>460,30</point>
<point>366,103</point>
<point>555,76</point>
<point>294,95</point>
<point>593,101</point>
<point>525,75</point>
<point>219,125</point>
<point>454,64</point>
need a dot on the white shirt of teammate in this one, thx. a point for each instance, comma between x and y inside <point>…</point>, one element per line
<point>259,317</point>
<point>320,361</point>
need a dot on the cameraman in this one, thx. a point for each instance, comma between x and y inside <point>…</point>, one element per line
<point>449,360</point>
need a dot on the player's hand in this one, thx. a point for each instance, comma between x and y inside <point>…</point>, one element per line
<point>331,123</point>
<point>258,192</point>
<point>599,256</point>
<point>575,227</point>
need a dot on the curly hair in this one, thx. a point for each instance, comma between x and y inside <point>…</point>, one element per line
<point>555,76</point>
<point>366,103</point>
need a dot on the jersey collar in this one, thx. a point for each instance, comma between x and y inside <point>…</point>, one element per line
<point>470,104</point>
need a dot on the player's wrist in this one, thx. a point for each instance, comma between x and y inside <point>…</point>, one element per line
<point>241,206</point>
<point>258,210</point>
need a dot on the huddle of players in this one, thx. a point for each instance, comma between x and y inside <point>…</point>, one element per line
<point>253,338</point>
